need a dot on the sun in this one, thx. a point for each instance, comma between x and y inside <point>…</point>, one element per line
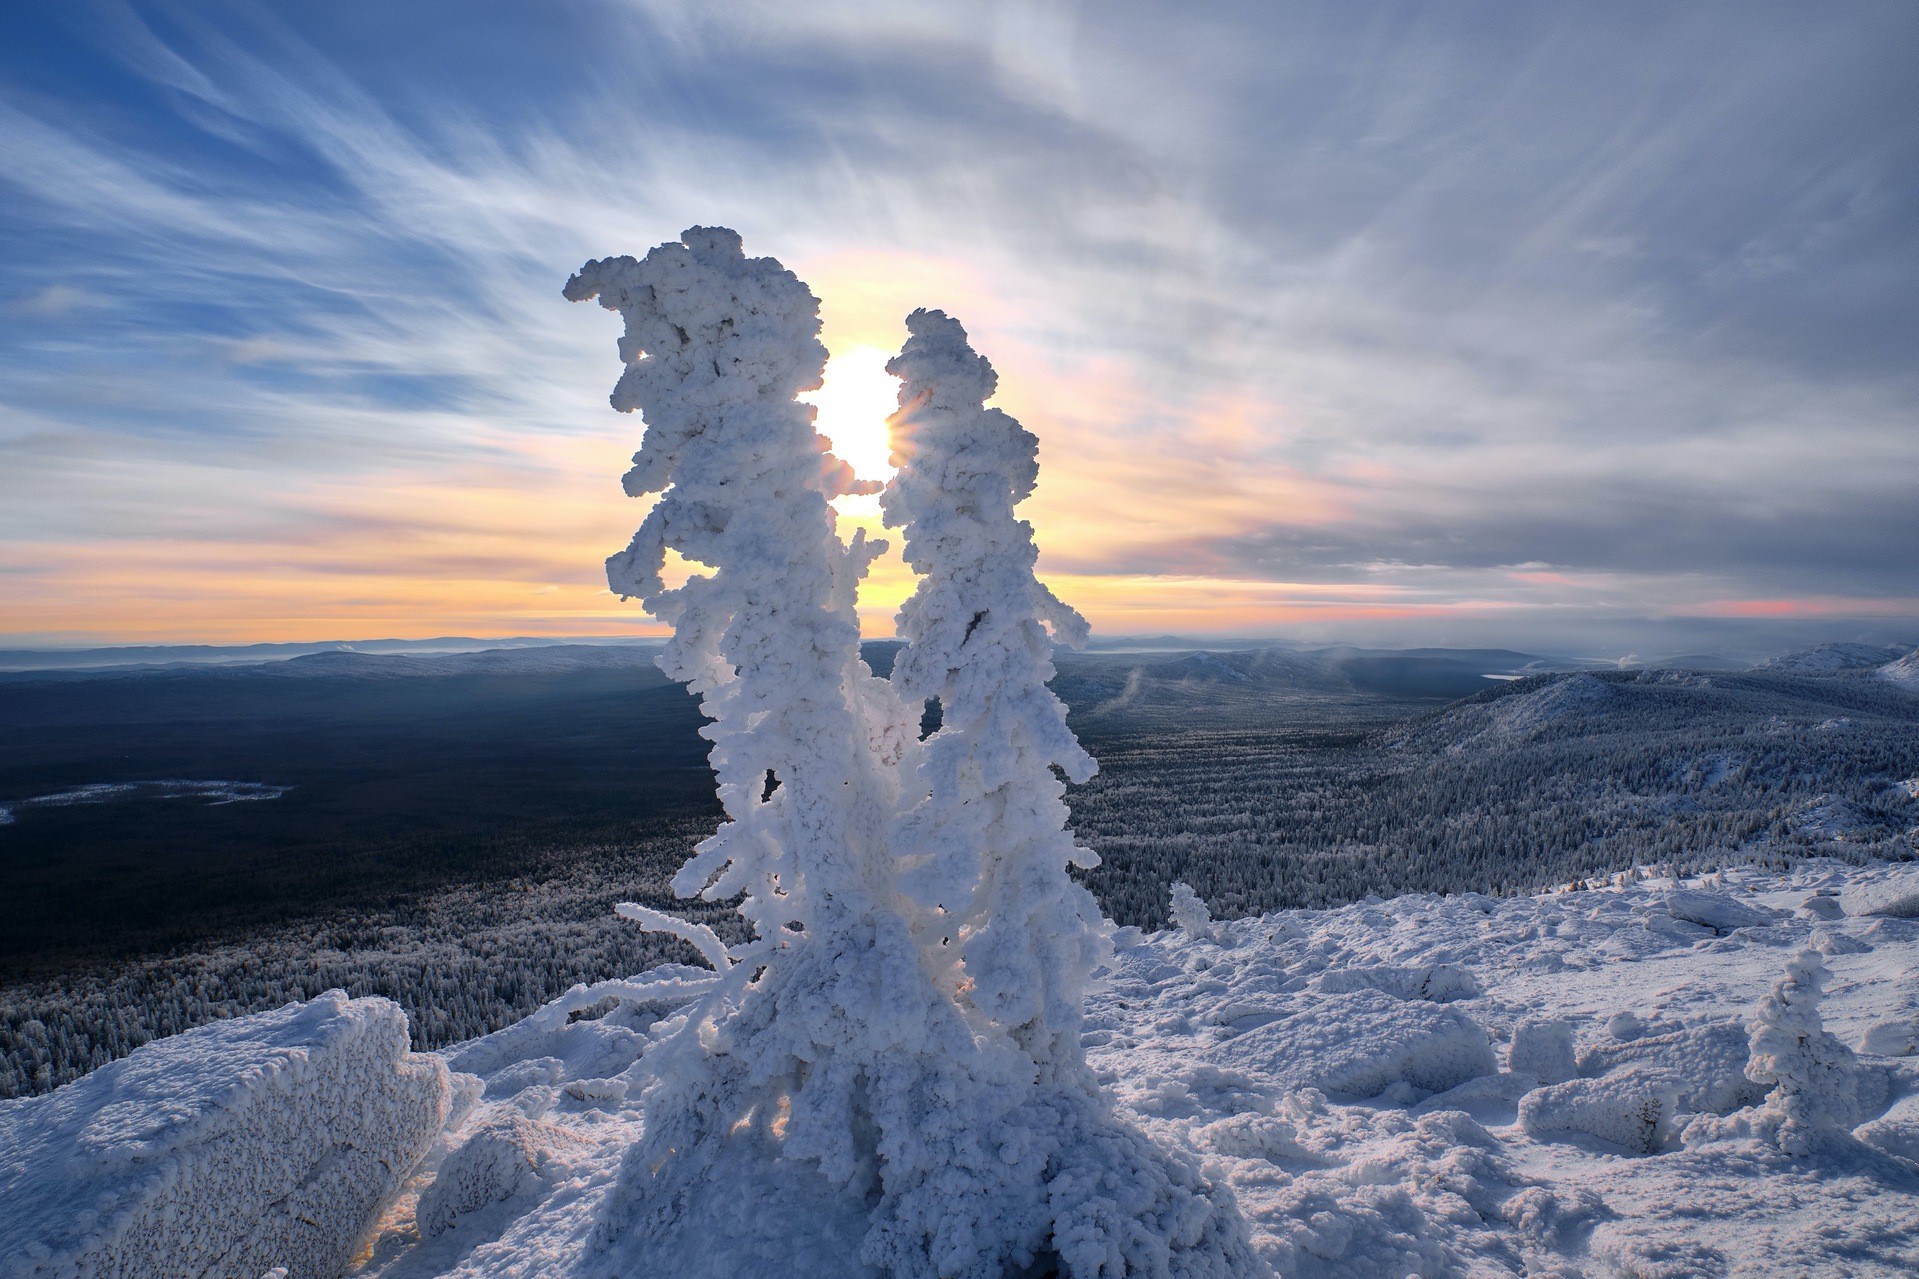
<point>856,398</point>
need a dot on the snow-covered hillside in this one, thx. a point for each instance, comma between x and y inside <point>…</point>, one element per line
<point>1829,659</point>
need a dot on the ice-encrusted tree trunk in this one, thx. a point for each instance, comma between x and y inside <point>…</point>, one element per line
<point>984,852</point>
<point>805,1018</point>
<point>849,1054</point>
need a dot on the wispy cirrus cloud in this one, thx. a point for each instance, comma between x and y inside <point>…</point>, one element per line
<point>1378,316</point>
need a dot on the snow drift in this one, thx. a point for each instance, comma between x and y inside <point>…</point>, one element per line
<point>271,1140</point>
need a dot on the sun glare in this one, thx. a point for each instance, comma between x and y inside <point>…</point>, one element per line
<point>858,396</point>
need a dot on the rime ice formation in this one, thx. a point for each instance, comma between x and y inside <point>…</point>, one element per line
<point>902,1031</point>
<point>1021,1151</point>
<point>271,1140</point>
<point>1188,912</point>
<point>1813,1076</point>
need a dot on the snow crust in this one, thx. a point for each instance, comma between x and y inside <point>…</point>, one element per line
<point>271,1140</point>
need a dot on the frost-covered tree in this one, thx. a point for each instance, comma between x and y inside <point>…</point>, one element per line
<point>1026,1153</point>
<point>789,1042</point>
<point>1188,911</point>
<point>906,1052</point>
<point>985,847</point>
<point>902,1031</point>
<point>1812,1074</point>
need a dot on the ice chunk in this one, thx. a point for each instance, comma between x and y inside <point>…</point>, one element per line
<point>271,1140</point>
<point>1360,1044</point>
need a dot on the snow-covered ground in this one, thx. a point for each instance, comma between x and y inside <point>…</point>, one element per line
<point>1472,1086</point>
<point>1427,1086</point>
<point>1357,1074</point>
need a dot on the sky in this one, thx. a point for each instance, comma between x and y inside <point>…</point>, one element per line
<point>1583,328</point>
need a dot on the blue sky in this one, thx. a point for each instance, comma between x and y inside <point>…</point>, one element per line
<point>1584,326</point>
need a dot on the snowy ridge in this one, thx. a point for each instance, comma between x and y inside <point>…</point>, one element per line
<point>1829,659</point>
<point>271,1140</point>
<point>1904,672</point>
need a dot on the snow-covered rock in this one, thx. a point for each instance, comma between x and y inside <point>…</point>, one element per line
<point>504,1156</point>
<point>1716,911</point>
<point>1542,1048</point>
<point>1361,1043</point>
<point>1631,1108</point>
<point>1437,983</point>
<point>1896,1037</point>
<point>1896,1132</point>
<point>271,1140</point>
<point>1702,1068</point>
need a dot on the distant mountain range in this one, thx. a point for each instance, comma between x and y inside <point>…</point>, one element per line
<point>32,659</point>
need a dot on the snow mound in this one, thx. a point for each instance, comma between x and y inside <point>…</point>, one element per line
<point>271,1140</point>
<point>1361,1043</point>
<point>1895,894</point>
